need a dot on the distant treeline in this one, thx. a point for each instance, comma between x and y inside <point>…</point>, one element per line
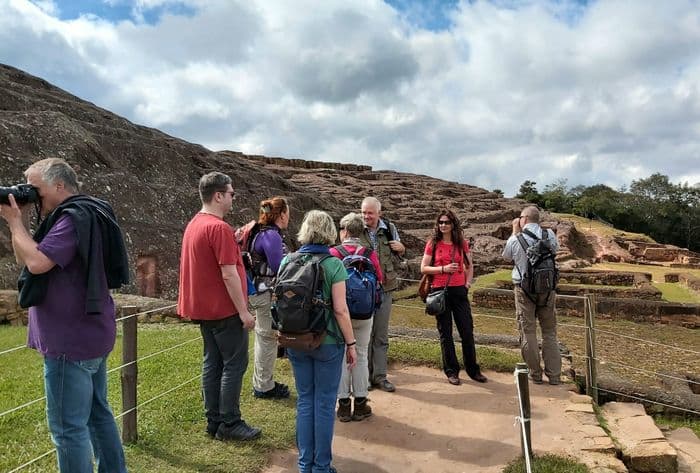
<point>667,212</point>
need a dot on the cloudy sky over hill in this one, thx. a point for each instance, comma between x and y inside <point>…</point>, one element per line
<point>489,93</point>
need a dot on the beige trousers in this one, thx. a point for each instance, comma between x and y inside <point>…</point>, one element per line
<point>528,313</point>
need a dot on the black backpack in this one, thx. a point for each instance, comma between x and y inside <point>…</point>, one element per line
<point>541,275</point>
<point>299,312</point>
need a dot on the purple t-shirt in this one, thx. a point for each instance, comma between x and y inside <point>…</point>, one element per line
<point>60,325</point>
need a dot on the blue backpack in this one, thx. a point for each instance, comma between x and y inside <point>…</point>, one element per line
<point>362,289</point>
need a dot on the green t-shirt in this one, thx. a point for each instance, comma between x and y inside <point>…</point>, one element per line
<point>334,272</point>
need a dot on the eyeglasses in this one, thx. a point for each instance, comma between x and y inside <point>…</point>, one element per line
<point>444,222</point>
<point>233,193</point>
<point>523,216</point>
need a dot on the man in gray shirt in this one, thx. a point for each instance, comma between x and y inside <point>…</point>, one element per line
<point>532,307</point>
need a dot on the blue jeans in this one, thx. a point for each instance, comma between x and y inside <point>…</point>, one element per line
<point>224,363</point>
<point>79,417</point>
<point>317,375</point>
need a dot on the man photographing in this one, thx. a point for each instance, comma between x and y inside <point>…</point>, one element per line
<point>76,255</point>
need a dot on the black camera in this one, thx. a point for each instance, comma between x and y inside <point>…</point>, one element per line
<point>24,194</point>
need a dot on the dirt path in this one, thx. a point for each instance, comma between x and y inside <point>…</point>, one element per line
<point>428,425</point>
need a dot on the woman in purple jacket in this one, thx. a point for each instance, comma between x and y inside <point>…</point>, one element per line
<point>267,251</point>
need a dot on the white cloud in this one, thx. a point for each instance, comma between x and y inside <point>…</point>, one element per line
<point>601,93</point>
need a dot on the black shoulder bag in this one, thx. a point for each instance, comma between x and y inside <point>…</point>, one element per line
<point>436,302</point>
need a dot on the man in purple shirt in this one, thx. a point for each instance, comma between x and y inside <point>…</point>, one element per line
<point>71,318</point>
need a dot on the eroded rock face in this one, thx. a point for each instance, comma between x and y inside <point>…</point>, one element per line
<point>151,180</point>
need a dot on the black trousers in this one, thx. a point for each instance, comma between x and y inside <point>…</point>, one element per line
<point>458,308</point>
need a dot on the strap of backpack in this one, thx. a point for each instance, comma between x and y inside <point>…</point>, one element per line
<point>522,241</point>
<point>319,258</point>
<point>532,235</point>
<point>341,249</point>
<point>361,251</point>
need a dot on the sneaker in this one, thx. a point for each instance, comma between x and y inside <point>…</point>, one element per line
<point>237,431</point>
<point>385,385</point>
<point>454,380</point>
<point>343,413</point>
<point>362,409</point>
<point>280,391</point>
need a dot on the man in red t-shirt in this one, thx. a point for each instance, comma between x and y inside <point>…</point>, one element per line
<point>213,293</point>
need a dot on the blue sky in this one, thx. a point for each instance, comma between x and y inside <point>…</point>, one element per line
<point>488,93</point>
<point>118,10</point>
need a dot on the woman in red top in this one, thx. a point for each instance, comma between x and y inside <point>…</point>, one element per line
<point>447,258</point>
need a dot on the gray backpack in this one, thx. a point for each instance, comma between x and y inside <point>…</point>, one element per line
<point>299,311</point>
<point>541,275</point>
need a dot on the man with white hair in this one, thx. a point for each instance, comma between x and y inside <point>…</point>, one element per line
<point>382,236</point>
<point>74,257</point>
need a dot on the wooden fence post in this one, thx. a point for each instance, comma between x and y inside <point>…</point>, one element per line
<point>524,400</point>
<point>129,374</point>
<point>591,360</point>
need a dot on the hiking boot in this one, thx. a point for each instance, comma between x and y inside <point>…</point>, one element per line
<point>454,380</point>
<point>479,378</point>
<point>344,410</point>
<point>237,431</point>
<point>385,385</point>
<point>212,427</point>
<point>536,378</point>
<point>555,380</point>
<point>362,409</point>
<point>280,391</point>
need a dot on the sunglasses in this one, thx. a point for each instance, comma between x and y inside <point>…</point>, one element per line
<point>444,222</point>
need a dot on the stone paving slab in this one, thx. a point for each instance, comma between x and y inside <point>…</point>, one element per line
<point>687,445</point>
<point>643,446</point>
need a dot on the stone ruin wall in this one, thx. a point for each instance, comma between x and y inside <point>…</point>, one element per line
<point>637,310</point>
<point>657,252</point>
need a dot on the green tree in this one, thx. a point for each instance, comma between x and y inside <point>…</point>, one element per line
<point>528,191</point>
<point>556,198</point>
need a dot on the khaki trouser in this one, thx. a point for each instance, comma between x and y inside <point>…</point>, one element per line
<point>265,342</point>
<point>356,381</point>
<point>379,341</point>
<point>528,313</point>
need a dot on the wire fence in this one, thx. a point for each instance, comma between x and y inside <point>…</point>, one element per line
<point>591,360</point>
<point>127,412</point>
<point>597,353</point>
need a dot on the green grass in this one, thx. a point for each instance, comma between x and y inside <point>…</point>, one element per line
<point>675,292</point>
<point>592,226</point>
<point>674,422</point>
<point>657,272</point>
<point>427,353</point>
<point>547,464</point>
<point>171,429</point>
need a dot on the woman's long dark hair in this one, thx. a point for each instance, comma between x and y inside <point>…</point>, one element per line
<point>457,233</point>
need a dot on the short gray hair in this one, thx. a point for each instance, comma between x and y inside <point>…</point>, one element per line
<point>353,224</point>
<point>532,213</point>
<point>317,228</point>
<point>54,170</point>
<point>373,201</point>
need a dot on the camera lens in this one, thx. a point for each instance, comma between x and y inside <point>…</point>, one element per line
<point>23,193</point>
